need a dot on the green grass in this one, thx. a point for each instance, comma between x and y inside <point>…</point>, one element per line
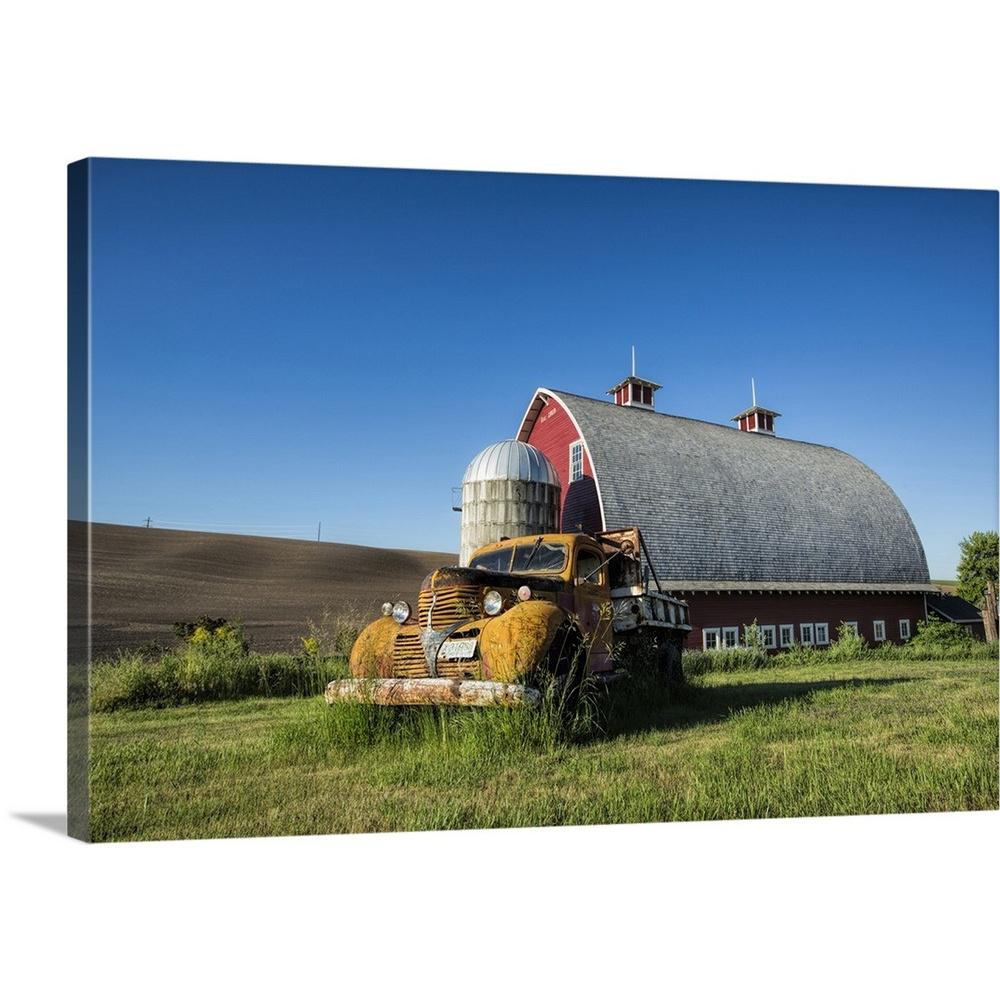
<point>191,674</point>
<point>815,739</point>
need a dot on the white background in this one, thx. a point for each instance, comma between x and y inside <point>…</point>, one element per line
<point>850,92</point>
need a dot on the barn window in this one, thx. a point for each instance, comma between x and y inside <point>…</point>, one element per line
<point>787,635</point>
<point>822,634</point>
<point>710,638</point>
<point>767,635</point>
<point>878,630</point>
<point>806,633</point>
<point>904,628</point>
<point>575,461</point>
<point>848,625</point>
<point>730,636</point>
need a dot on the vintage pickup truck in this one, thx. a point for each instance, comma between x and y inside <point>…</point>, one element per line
<point>524,610</point>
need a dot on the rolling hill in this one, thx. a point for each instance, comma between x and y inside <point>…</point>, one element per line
<point>145,579</point>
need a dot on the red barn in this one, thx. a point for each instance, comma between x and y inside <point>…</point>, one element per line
<point>745,525</point>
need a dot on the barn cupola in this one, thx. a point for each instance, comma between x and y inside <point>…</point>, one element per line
<point>756,419</point>
<point>635,391</point>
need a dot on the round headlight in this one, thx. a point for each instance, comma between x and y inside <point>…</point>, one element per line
<point>492,603</point>
<point>400,612</point>
<point>524,593</point>
<point>387,608</point>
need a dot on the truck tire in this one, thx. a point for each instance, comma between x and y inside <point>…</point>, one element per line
<point>668,661</point>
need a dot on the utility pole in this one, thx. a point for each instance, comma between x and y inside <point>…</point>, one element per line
<point>319,529</point>
<point>147,522</point>
<point>990,612</point>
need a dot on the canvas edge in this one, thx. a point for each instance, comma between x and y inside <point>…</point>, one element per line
<point>78,496</point>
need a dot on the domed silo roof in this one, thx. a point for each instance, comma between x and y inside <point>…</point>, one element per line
<point>514,460</point>
<point>510,489</point>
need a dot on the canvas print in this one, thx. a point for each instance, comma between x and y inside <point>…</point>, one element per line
<point>419,500</point>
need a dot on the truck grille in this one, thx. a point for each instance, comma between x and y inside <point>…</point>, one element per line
<point>451,606</point>
<point>408,656</point>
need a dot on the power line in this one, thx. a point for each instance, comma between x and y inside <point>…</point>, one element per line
<point>231,524</point>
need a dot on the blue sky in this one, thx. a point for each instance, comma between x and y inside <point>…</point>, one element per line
<point>276,346</point>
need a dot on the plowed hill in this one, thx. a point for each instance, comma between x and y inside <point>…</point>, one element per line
<point>144,579</point>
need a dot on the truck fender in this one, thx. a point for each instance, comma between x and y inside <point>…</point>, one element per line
<point>517,641</point>
<point>371,655</point>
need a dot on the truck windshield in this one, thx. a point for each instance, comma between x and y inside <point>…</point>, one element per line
<point>530,557</point>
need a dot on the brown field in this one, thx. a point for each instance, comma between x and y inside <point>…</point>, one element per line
<point>145,579</point>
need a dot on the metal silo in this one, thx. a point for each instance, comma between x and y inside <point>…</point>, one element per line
<point>509,489</point>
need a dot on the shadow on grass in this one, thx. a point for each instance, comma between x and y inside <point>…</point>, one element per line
<point>696,706</point>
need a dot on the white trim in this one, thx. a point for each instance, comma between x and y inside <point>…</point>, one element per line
<point>876,624</point>
<point>715,634</point>
<point>730,630</point>
<point>543,392</point>
<point>811,633</point>
<point>906,622</point>
<point>825,626</point>
<point>781,643</point>
<point>773,644</point>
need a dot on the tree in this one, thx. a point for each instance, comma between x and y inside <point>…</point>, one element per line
<point>978,565</point>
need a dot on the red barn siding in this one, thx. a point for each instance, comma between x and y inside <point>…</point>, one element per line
<point>719,610</point>
<point>553,432</point>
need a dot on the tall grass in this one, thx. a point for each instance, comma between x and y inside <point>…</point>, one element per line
<point>192,674</point>
<point>214,662</point>
<point>562,717</point>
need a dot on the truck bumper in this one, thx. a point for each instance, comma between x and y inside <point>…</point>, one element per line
<point>432,691</point>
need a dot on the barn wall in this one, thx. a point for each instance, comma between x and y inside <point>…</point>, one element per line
<point>553,432</point>
<point>719,610</point>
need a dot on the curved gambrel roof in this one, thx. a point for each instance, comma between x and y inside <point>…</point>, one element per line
<point>720,505</point>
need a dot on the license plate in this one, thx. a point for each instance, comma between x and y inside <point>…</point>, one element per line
<point>457,649</point>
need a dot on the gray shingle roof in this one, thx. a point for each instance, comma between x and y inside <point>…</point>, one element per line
<point>716,503</point>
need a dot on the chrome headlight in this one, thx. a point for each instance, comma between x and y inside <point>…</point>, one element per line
<point>400,612</point>
<point>387,608</point>
<point>492,603</point>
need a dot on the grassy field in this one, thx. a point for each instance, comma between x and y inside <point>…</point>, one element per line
<point>815,740</point>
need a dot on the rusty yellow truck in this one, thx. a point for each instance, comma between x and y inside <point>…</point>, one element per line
<point>524,612</point>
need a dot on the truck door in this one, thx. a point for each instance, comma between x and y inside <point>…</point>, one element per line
<point>592,601</point>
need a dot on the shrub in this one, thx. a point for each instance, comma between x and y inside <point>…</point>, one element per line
<point>849,645</point>
<point>934,632</point>
<point>213,663</point>
<point>753,636</point>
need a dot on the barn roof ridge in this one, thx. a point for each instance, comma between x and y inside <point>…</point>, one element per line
<point>697,420</point>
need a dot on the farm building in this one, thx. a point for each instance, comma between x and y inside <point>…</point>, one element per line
<point>958,611</point>
<point>743,524</point>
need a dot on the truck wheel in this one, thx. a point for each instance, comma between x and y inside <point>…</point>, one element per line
<point>668,661</point>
